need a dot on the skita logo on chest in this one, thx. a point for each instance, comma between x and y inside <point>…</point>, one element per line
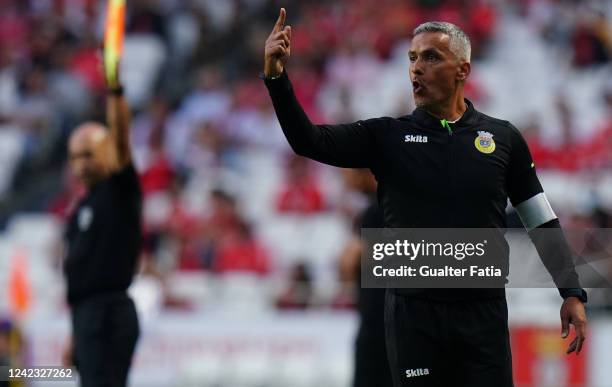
<point>415,138</point>
<point>411,373</point>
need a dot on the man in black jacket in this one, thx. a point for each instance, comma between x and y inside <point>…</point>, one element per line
<point>371,366</point>
<point>103,239</point>
<point>446,165</point>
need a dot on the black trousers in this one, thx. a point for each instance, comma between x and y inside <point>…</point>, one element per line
<point>371,364</point>
<point>448,343</point>
<point>105,331</point>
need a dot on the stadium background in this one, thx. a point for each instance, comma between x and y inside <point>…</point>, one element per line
<point>239,283</point>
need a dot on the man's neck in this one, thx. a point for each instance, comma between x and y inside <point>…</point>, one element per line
<point>451,110</point>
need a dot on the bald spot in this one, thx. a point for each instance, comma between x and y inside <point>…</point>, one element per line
<point>87,137</point>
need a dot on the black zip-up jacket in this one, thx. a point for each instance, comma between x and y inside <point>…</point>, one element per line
<point>430,173</point>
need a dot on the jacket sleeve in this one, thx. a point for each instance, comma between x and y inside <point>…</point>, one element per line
<point>350,145</point>
<point>529,200</point>
<point>522,183</point>
<point>125,181</point>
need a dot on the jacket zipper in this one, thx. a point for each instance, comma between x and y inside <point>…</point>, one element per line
<point>451,192</point>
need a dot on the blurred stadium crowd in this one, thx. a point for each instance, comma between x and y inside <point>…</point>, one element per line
<point>233,219</point>
<point>223,192</point>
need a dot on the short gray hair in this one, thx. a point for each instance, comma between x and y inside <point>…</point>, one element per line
<point>458,40</point>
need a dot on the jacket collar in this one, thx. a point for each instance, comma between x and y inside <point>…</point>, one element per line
<point>469,118</point>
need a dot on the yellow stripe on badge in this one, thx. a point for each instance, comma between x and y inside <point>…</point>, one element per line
<point>113,39</point>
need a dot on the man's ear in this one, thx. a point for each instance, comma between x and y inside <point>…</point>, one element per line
<point>464,71</point>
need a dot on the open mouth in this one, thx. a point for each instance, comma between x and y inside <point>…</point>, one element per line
<point>417,87</point>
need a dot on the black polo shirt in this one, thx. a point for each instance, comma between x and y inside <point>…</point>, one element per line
<point>104,237</point>
<point>370,302</point>
<point>430,173</point>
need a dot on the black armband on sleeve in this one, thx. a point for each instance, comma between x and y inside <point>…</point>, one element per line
<point>556,255</point>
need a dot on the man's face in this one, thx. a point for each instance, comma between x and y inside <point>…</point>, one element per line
<point>86,158</point>
<point>435,71</point>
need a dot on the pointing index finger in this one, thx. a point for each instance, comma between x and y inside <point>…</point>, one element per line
<point>280,22</point>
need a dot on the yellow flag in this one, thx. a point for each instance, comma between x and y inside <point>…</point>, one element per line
<point>113,39</point>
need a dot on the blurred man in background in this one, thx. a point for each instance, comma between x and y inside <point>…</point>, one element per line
<point>12,352</point>
<point>446,165</point>
<point>371,364</point>
<point>103,242</point>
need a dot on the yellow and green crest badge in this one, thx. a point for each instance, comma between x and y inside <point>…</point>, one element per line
<point>484,142</point>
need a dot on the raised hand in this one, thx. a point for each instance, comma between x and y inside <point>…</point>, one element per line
<point>278,47</point>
